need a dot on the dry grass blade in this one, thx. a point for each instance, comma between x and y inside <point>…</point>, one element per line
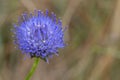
<point>105,61</point>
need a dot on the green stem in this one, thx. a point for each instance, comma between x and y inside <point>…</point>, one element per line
<point>32,69</point>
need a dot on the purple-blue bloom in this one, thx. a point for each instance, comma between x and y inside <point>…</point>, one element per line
<point>39,34</point>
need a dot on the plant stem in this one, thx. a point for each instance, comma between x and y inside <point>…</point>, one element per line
<point>32,69</point>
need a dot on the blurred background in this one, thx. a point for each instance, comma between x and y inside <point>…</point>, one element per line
<point>92,38</point>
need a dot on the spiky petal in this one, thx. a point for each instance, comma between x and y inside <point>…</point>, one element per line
<point>39,34</point>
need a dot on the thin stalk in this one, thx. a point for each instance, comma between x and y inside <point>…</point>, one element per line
<point>32,69</point>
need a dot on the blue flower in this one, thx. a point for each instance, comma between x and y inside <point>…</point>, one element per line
<point>39,34</point>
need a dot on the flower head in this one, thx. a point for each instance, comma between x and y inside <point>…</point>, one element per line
<point>39,34</point>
